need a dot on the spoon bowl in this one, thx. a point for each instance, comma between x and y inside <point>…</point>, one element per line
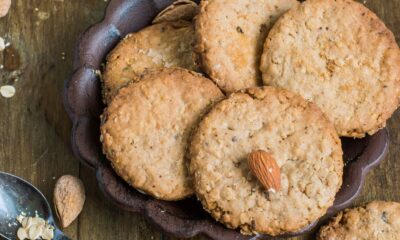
<point>17,197</point>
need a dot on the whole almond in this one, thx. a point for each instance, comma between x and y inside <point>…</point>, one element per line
<point>4,7</point>
<point>69,198</point>
<point>263,165</point>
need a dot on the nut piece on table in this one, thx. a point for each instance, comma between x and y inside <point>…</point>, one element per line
<point>4,7</point>
<point>34,228</point>
<point>69,198</point>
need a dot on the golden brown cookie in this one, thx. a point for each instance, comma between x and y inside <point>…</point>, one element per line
<point>230,36</point>
<point>341,56</point>
<point>146,127</point>
<point>296,133</point>
<point>376,221</point>
<point>167,44</point>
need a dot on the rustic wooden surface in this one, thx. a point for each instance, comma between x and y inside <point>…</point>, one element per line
<point>35,130</point>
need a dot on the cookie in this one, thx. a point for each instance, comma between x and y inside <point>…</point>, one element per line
<point>179,10</point>
<point>229,38</point>
<point>303,142</point>
<point>167,44</point>
<point>341,56</point>
<point>146,126</point>
<point>376,221</point>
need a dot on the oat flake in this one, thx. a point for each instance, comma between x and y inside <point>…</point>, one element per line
<point>7,91</point>
<point>2,44</point>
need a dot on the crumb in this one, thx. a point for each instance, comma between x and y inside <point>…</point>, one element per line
<point>98,74</point>
<point>7,91</point>
<point>43,15</point>
<point>2,44</point>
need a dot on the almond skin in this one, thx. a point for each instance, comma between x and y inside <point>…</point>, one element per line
<point>263,165</point>
<point>69,198</point>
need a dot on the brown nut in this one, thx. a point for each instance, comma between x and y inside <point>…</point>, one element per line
<point>263,165</point>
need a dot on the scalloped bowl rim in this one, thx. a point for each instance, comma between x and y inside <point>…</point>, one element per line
<point>85,66</point>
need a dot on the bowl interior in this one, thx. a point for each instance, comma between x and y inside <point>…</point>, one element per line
<point>186,218</point>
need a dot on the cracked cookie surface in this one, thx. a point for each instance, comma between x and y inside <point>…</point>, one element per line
<point>166,44</point>
<point>376,221</point>
<point>340,55</point>
<point>146,127</point>
<point>230,37</point>
<point>303,142</point>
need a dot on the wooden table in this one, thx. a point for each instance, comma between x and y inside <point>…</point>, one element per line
<point>35,130</point>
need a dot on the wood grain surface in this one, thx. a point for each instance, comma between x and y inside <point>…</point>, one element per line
<point>35,130</point>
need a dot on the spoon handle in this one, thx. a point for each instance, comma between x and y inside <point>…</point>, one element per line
<point>58,235</point>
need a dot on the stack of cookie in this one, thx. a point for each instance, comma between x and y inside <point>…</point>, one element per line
<point>377,220</point>
<point>186,106</point>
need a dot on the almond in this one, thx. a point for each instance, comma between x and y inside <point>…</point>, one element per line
<point>4,7</point>
<point>263,165</point>
<point>69,198</point>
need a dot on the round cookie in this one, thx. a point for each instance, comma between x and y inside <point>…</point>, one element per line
<point>377,220</point>
<point>167,44</point>
<point>303,142</point>
<point>229,39</point>
<point>341,56</point>
<point>146,127</point>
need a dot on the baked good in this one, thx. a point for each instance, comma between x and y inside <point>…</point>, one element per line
<point>229,38</point>
<point>178,10</point>
<point>340,55</point>
<point>377,220</point>
<point>167,44</point>
<point>146,126</point>
<point>303,142</point>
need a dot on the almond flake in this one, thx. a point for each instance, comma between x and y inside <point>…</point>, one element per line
<point>7,91</point>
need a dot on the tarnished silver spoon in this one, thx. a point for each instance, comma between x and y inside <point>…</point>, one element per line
<point>18,196</point>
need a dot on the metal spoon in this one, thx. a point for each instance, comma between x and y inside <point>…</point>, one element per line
<point>17,196</point>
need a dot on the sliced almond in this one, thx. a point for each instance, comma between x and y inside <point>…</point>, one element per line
<point>69,198</point>
<point>34,232</point>
<point>4,7</point>
<point>48,233</point>
<point>7,91</point>
<point>263,165</point>
<point>22,233</point>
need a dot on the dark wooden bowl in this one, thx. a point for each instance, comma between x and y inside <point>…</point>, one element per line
<point>82,99</point>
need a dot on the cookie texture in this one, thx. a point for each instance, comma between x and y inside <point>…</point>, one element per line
<point>376,221</point>
<point>179,10</point>
<point>341,56</point>
<point>146,127</point>
<point>303,142</point>
<point>167,44</point>
<point>230,37</point>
